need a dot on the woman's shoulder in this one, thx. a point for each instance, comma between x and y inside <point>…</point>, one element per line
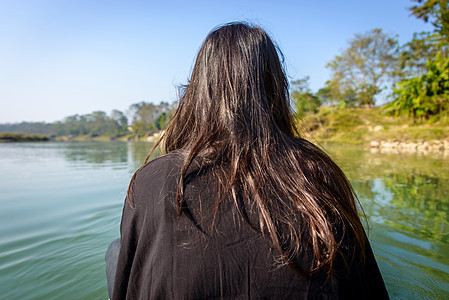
<point>164,165</point>
<point>155,178</point>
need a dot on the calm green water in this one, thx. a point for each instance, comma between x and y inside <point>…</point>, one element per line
<point>61,205</point>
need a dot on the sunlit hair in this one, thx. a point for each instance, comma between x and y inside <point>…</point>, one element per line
<point>234,113</point>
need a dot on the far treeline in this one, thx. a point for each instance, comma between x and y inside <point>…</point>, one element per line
<point>414,76</point>
<point>146,118</point>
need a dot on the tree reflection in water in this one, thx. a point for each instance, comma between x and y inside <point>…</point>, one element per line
<point>406,200</point>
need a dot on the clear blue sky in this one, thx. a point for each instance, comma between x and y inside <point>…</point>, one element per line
<point>62,57</point>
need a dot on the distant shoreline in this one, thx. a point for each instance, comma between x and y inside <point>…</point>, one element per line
<point>13,137</point>
<point>152,138</point>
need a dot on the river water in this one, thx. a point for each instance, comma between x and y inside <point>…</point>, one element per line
<point>60,207</point>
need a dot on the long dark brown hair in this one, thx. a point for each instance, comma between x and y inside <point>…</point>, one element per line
<point>235,114</point>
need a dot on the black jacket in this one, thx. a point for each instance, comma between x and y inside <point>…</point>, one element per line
<point>164,256</point>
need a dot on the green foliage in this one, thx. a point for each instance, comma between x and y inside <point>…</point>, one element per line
<point>94,124</point>
<point>304,101</point>
<point>424,90</point>
<point>120,121</point>
<point>325,96</point>
<point>163,119</point>
<point>148,117</point>
<point>424,95</point>
<point>335,125</point>
<point>360,72</point>
<point>358,126</point>
<point>435,11</point>
<point>413,56</point>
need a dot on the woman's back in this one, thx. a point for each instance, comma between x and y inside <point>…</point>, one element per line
<point>239,206</point>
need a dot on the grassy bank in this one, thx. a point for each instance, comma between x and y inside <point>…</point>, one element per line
<point>361,126</point>
<point>22,137</point>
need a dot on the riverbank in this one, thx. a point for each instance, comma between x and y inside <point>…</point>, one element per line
<point>423,147</point>
<point>152,138</point>
<point>371,128</point>
<point>9,137</point>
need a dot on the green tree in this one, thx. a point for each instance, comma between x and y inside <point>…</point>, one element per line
<point>162,121</point>
<point>336,93</point>
<point>99,123</point>
<point>413,55</point>
<point>437,12</point>
<point>361,71</point>
<point>424,95</point>
<point>304,100</point>
<point>120,121</point>
<point>325,96</point>
<point>145,116</point>
<point>71,125</point>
